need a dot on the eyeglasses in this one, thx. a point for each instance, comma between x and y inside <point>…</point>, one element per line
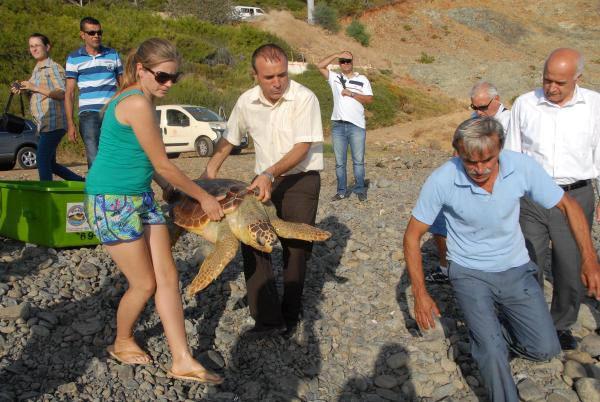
<point>94,33</point>
<point>345,61</point>
<point>162,78</point>
<point>482,108</point>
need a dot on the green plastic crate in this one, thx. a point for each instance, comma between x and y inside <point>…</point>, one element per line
<point>48,213</point>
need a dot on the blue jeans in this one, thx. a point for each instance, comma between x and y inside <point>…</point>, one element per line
<point>89,128</point>
<point>526,327</point>
<point>46,157</point>
<point>343,134</point>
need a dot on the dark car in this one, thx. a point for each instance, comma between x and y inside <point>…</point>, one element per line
<point>18,146</point>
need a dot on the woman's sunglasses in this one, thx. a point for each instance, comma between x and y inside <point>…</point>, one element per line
<point>345,61</point>
<point>162,78</point>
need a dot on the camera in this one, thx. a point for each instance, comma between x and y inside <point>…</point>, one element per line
<point>16,85</point>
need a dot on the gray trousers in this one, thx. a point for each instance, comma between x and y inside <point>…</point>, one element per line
<point>540,226</point>
<point>504,310</point>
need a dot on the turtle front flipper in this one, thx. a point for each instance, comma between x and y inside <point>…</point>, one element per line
<point>225,248</point>
<point>300,231</point>
<point>293,230</point>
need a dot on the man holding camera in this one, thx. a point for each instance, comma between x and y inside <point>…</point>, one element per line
<point>351,91</point>
<point>97,71</point>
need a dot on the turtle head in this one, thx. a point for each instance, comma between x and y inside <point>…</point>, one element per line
<point>263,235</point>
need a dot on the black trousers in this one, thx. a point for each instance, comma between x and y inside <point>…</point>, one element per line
<point>540,226</point>
<point>296,198</point>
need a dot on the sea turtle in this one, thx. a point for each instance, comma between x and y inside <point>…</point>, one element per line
<point>246,219</point>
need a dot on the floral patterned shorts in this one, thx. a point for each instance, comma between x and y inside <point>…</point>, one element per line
<point>115,218</point>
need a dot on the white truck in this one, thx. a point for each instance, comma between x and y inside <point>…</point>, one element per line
<point>188,128</point>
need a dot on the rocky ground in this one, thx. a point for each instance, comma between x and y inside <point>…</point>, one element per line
<point>357,341</point>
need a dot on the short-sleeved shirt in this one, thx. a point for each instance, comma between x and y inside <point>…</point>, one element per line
<point>483,228</point>
<point>347,108</point>
<point>275,128</point>
<point>96,76</point>
<point>121,167</point>
<point>565,140</point>
<point>48,113</point>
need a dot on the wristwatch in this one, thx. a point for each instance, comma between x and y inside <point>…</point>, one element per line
<point>269,175</point>
<point>352,94</point>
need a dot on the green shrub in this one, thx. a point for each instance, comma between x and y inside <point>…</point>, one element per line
<point>357,31</point>
<point>426,58</point>
<point>326,17</point>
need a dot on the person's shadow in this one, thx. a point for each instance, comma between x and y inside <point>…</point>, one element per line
<point>279,369</point>
<point>452,320</point>
<point>63,337</point>
<point>429,253</point>
<point>390,379</point>
<point>68,339</point>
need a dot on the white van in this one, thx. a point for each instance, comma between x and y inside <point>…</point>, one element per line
<point>247,13</point>
<point>188,128</point>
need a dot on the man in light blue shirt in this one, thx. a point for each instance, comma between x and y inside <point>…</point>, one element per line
<point>490,271</point>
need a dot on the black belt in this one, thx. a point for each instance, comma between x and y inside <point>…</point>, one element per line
<point>576,185</point>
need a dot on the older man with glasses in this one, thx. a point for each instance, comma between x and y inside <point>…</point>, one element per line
<point>97,71</point>
<point>351,91</point>
<point>485,101</point>
<point>558,125</point>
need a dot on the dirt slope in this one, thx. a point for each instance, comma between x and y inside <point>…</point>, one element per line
<point>504,42</point>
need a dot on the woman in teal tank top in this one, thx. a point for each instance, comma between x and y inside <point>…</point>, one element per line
<point>121,208</point>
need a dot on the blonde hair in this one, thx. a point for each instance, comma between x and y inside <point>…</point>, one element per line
<point>150,53</point>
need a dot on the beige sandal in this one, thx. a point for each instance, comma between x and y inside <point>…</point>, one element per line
<point>126,356</point>
<point>201,376</point>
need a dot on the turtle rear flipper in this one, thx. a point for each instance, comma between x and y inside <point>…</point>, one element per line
<point>225,249</point>
<point>300,231</point>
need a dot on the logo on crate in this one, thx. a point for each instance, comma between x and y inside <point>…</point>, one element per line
<point>76,221</point>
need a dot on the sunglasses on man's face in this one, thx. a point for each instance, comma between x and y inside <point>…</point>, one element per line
<point>94,33</point>
<point>482,108</point>
<point>345,61</point>
<point>162,78</point>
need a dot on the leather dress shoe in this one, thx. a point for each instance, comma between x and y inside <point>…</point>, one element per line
<point>566,339</point>
<point>261,331</point>
<point>290,331</point>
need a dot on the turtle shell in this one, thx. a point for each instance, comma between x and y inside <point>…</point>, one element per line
<point>188,213</point>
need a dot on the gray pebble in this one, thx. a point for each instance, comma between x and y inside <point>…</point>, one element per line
<point>588,389</point>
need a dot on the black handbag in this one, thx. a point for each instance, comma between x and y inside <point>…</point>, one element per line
<point>11,122</point>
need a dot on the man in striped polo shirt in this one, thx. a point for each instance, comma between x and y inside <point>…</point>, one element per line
<point>97,71</point>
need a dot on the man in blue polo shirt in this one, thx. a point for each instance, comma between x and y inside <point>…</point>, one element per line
<point>490,271</point>
<point>97,71</point>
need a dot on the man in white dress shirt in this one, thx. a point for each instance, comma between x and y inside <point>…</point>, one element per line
<point>284,120</point>
<point>559,126</point>
<point>485,102</point>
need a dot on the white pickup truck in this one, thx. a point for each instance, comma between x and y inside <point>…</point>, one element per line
<point>188,128</point>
